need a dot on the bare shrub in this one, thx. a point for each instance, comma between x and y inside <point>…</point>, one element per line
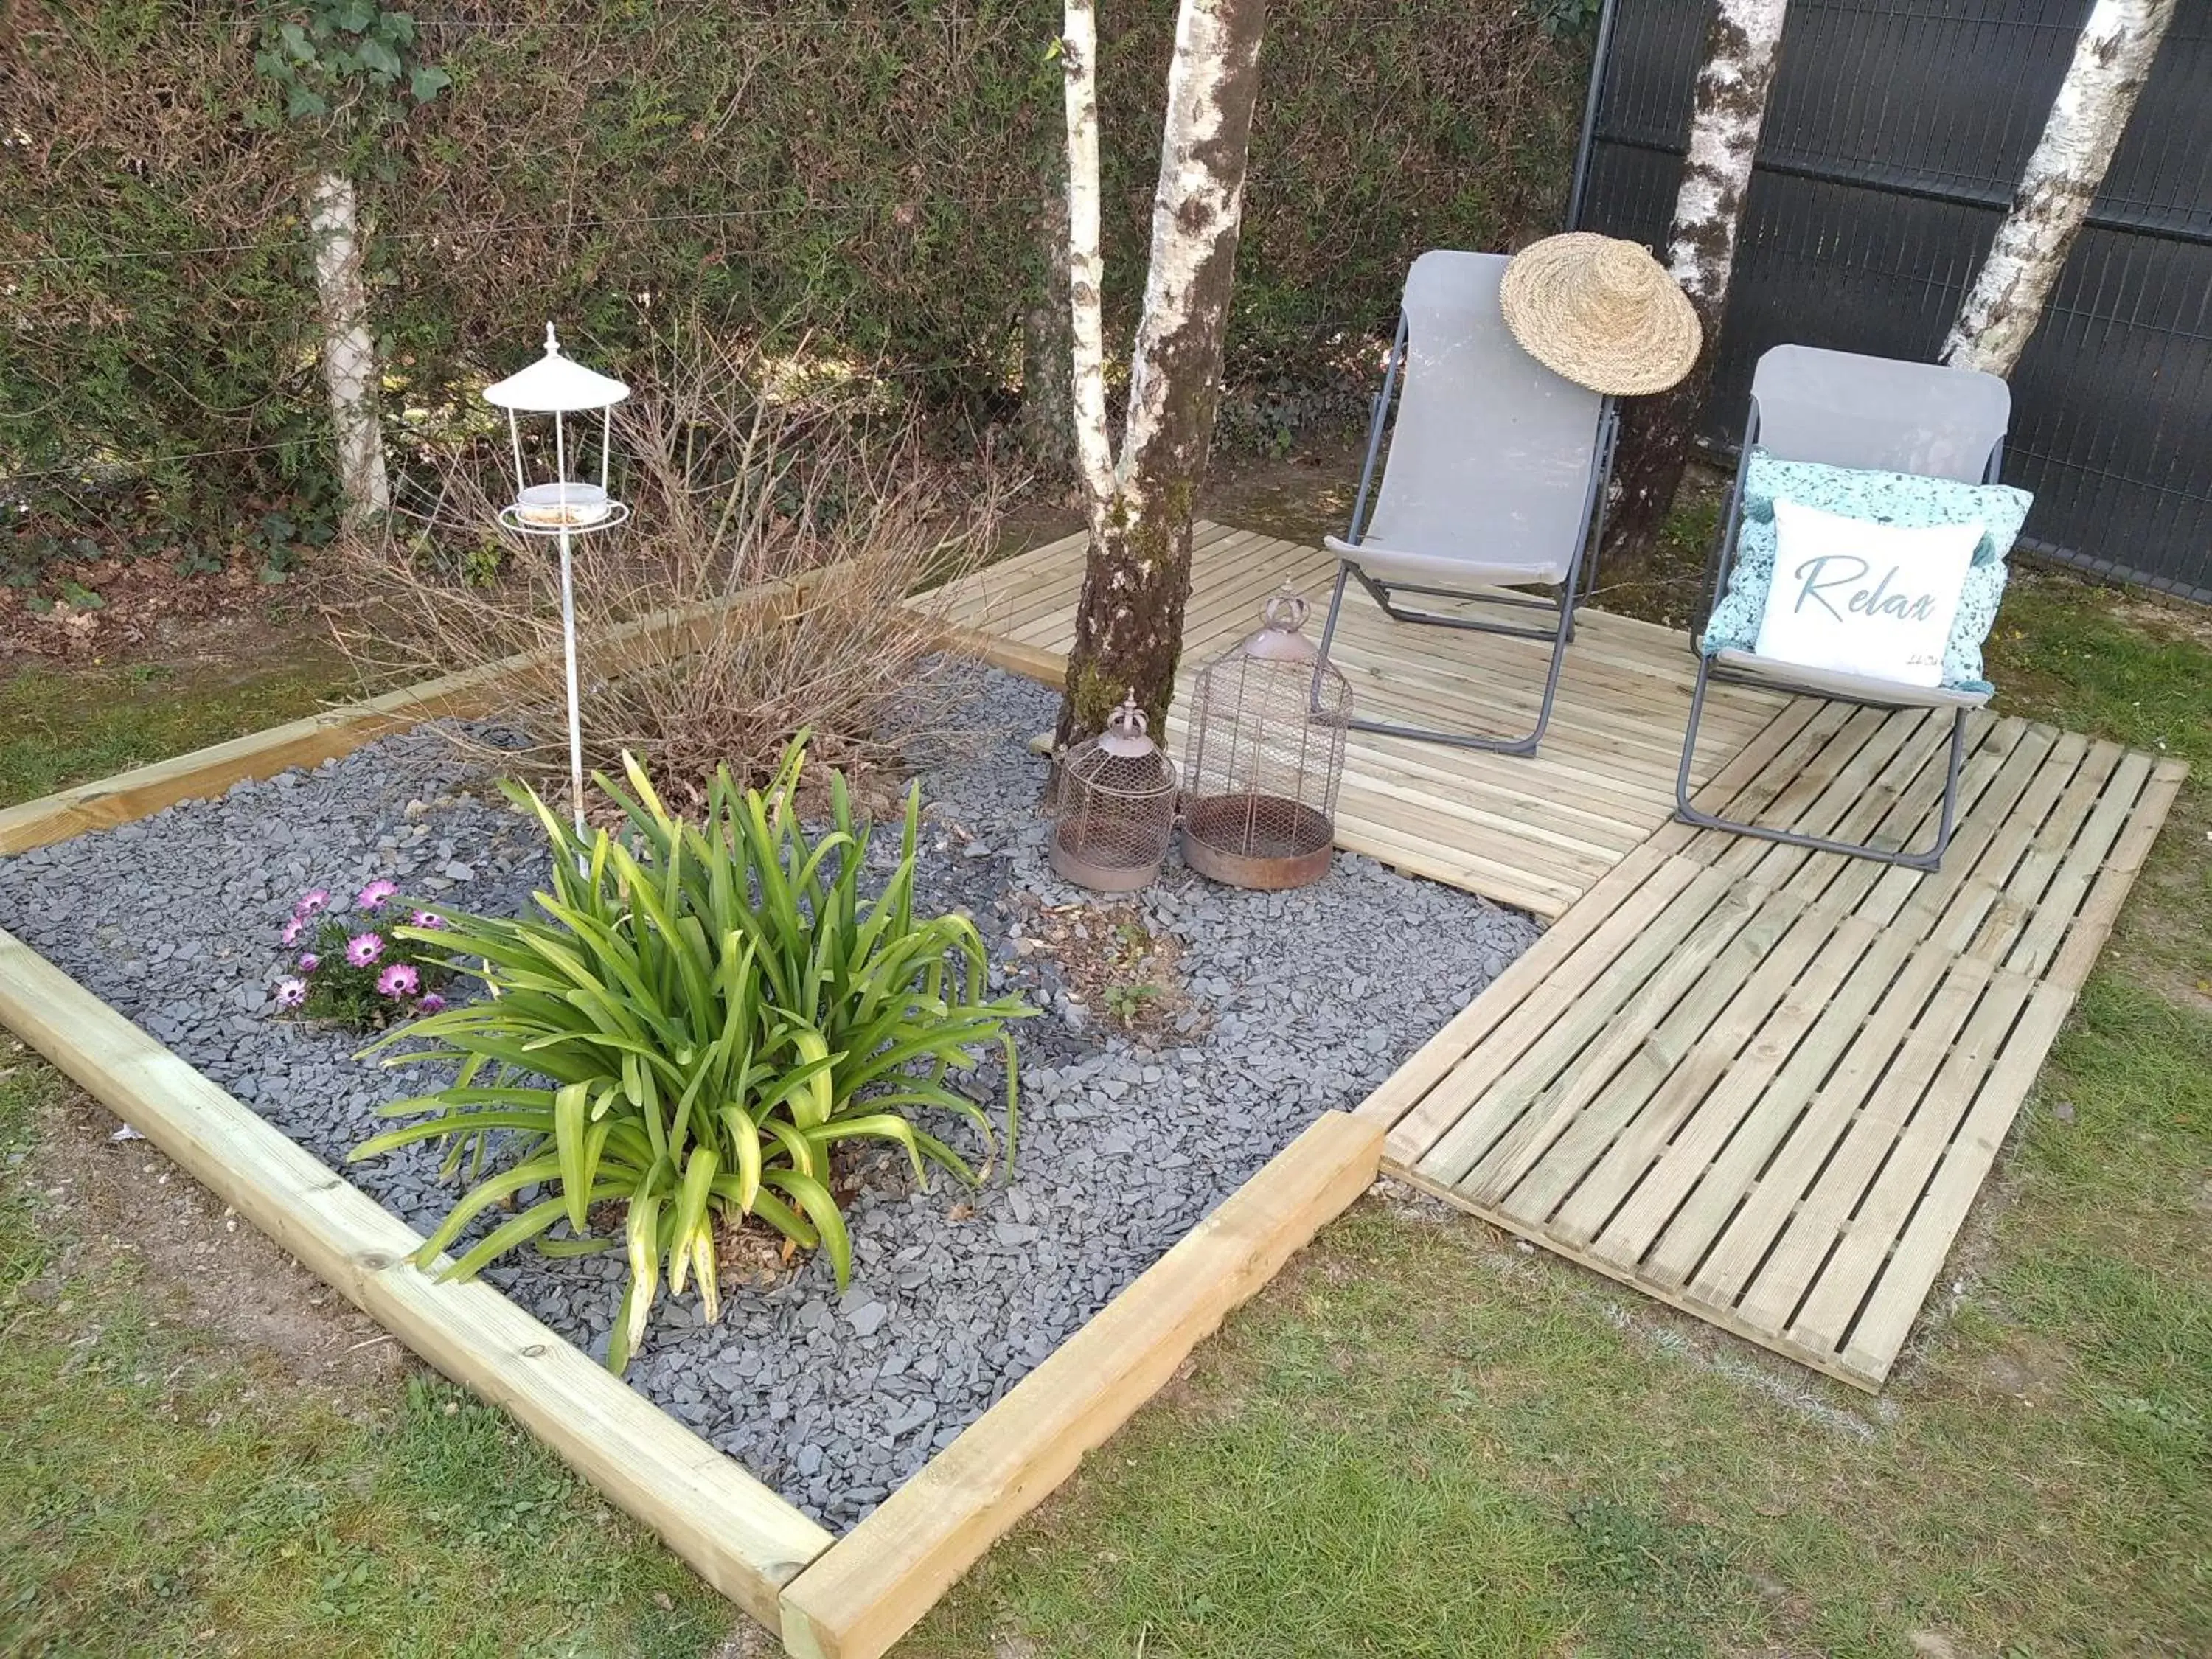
<point>786,517</point>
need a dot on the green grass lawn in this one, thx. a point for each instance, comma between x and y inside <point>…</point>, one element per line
<point>1421,1440</point>
<point>62,726</point>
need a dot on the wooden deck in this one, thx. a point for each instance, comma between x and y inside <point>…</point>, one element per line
<point>1765,1085</point>
<point>1761,1084</point>
<point>1533,833</point>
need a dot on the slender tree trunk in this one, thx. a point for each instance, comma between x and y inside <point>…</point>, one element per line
<point>2111,61</point>
<point>1047,413</point>
<point>348,350</point>
<point>1742,45</point>
<point>1128,628</point>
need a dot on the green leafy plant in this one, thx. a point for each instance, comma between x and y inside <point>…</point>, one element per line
<point>325,54</point>
<point>1127,1002</point>
<point>1567,19</point>
<point>704,1012</point>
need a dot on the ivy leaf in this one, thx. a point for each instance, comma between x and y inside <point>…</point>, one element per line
<point>378,56</point>
<point>355,15</point>
<point>303,104</point>
<point>399,28</point>
<point>296,42</point>
<point>426,82</point>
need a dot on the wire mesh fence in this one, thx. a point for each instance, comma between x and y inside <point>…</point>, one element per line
<point>1896,133</point>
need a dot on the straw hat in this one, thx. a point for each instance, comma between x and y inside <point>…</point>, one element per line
<point>1600,312</point>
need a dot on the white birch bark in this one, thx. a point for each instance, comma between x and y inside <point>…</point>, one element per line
<point>2112,60</point>
<point>1743,43</point>
<point>1094,454</point>
<point>1727,109</point>
<point>1198,204</point>
<point>349,370</point>
<point>1128,628</point>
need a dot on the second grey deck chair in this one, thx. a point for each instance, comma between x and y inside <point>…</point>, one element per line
<point>1495,479</point>
<point>1867,414</point>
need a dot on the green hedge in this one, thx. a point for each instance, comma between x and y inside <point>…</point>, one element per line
<point>869,173</point>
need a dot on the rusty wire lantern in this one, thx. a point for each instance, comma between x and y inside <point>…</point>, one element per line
<point>1265,756</point>
<point>1114,810</point>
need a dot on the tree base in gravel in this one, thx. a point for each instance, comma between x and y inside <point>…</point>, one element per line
<point>1128,626</point>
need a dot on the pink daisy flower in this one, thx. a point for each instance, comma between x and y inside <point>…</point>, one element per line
<point>290,933</point>
<point>363,949</point>
<point>291,993</point>
<point>430,1003</point>
<point>374,893</point>
<point>424,919</point>
<point>399,979</point>
<point>312,901</point>
<point>309,961</point>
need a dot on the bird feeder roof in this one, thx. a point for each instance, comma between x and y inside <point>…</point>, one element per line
<point>555,384</point>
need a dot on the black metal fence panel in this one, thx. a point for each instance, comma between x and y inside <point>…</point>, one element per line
<point>1896,133</point>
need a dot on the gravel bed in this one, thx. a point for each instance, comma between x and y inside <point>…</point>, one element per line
<point>1291,1004</point>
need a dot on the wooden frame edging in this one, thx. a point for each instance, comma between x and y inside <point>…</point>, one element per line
<point>872,1585</point>
<point>741,1537</point>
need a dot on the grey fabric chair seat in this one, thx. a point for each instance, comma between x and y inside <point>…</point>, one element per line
<point>1495,478</point>
<point>1847,688</point>
<point>1877,414</point>
<point>1392,564</point>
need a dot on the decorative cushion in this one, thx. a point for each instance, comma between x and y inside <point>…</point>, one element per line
<point>1859,597</point>
<point>1891,498</point>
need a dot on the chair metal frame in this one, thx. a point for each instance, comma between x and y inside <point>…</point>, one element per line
<point>1560,607</point>
<point>1717,566</point>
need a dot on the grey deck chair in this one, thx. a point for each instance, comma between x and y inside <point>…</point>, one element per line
<point>1809,404</point>
<point>1495,479</point>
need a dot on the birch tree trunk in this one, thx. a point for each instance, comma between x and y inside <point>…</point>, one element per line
<point>1128,628</point>
<point>1729,107</point>
<point>2111,61</point>
<point>1047,417</point>
<point>348,350</point>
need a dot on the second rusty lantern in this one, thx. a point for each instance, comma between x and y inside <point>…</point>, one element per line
<point>1265,756</point>
<point>1114,810</point>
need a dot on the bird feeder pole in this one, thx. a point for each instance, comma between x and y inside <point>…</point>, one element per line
<point>557,387</point>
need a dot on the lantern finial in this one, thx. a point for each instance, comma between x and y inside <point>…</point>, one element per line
<point>552,344</point>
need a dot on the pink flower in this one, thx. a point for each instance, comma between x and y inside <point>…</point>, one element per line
<point>290,933</point>
<point>312,901</point>
<point>430,1005</point>
<point>291,993</point>
<point>374,893</point>
<point>424,919</point>
<point>363,949</point>
<point>309,961</point>
<point>399,979</point>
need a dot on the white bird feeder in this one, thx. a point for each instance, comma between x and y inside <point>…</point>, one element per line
<point>563,506</point>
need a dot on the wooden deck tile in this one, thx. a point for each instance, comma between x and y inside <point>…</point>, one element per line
<point>1762,1084</point>
<point>1769,1098</point>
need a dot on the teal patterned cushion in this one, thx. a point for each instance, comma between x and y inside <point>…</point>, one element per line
<point>1896,498</point>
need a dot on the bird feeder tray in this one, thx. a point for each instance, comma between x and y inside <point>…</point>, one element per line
<point>568,502</point>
